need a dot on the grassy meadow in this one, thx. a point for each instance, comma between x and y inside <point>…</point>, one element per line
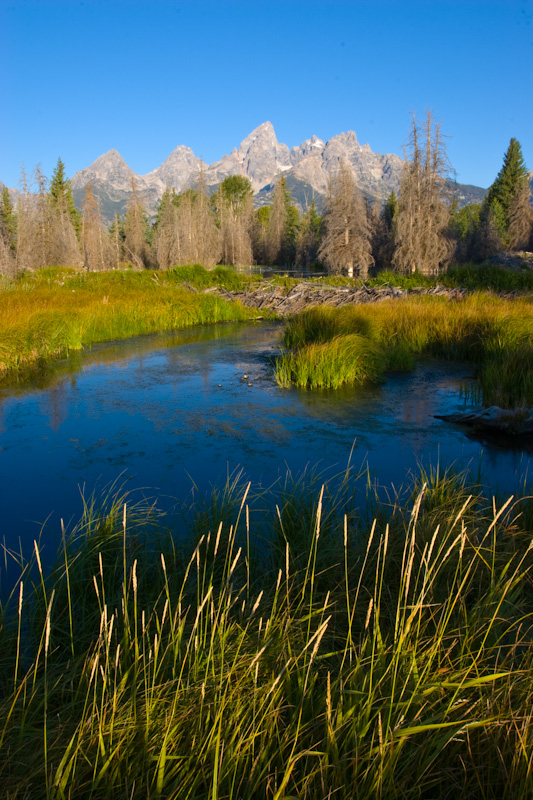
<point>314,643</point>
<point>316,640</point>
<point>330,346</point>
<point>52,312</point>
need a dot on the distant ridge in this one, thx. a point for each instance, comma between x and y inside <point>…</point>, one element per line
<point>262,159</point>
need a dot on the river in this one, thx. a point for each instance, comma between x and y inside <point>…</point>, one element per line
<point>162,411</point>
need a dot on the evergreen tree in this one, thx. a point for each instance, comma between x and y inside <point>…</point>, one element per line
<point>260,234</point>
<point>116,238</point>
<point>166,230</point>
<point>283,224</point>
<point>464,226</point>
<point>60,194</point>
<point>309,237</point>
<point>509,198</point>
<point>8,217</point>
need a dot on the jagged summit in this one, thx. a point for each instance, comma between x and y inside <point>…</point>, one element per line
<point>259,157</point>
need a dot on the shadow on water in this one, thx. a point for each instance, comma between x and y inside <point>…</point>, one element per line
<point>166,410</point>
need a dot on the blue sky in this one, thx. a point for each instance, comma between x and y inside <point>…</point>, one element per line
<point>80,78</point>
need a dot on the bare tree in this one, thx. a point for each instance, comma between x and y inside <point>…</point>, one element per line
<point>421,225</point>
<point>346,242</point>
<point>233,203</point>
<point>135,228</point>
<point>96,246</point>
<point>277,223</point>
<point>63,220</point>
<point>46,235</point>
<point>33,234</point>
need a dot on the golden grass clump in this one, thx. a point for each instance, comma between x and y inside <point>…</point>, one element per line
<point>53,312</point>
<point>495,334</point>
<point>348,656</point>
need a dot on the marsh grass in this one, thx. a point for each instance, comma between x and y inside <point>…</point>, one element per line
<point>348,358</point>
<point>494,277</point>
<point>54,312</point>
<point>394,661</point>
<point>493,333</point>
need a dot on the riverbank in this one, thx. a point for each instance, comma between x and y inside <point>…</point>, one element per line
<point>50,313</point>
<point>331,346</point>
<point>360,651</point>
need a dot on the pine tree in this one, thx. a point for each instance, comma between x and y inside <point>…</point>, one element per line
<point>509,199</point>
<point>60,193</point>
<point>383,239</point>
<point>309,237</point>
<point>63,221</point>
<point>9,219</point>
<point>260,234</point>
<point>464,227</point>
<point>166,231</point>
<point>116,238</point>
<point>283,225</point>
<point>346,245</point>
<point>421,240</point>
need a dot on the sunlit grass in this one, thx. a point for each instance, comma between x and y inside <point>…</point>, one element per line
<point>346,658</point>
<point>493,333</point>
<point>54,312</point>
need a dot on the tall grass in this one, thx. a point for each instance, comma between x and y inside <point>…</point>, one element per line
<point>493,333</point>
<point>388,660</point>
<point>53,312</point>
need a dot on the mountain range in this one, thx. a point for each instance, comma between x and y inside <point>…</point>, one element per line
<point>259,157</point>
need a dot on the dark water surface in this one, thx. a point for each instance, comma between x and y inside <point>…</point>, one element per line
<point>168,408</point>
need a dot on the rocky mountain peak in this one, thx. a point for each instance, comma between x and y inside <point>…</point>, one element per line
<point>178,170</point>
<point>109,167</point>
<point>311,147</point>
<point>264,135</point>
<point>260,157</point>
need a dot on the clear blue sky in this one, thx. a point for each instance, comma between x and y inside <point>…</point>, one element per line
<point>80,78</point>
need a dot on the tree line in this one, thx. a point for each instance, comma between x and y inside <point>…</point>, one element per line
<point>422,229</point>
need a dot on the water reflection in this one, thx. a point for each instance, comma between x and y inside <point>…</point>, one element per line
<point>169,408</point>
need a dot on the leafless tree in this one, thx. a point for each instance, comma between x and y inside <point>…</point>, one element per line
<point>136,248</point>
<point>96,245</point>
<point>422,220</point>
<point>277,223</point>
<point>233,203</point>
<point>45,233</point>
<point>346,243</point>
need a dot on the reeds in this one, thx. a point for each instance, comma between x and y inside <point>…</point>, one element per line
<point>389,659</point>
<point>493,333</point>
<point>54,312</point>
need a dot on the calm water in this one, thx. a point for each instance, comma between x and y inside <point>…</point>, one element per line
<point>167,410</point>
